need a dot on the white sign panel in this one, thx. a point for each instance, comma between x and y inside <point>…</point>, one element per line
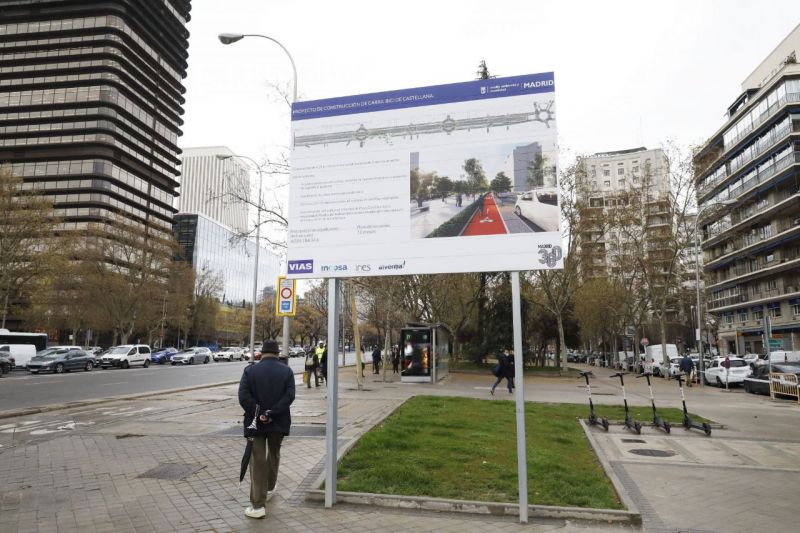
<point>449,178</point>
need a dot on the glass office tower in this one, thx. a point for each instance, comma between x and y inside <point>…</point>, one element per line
<point>91,104</point>
<point>209,245</point>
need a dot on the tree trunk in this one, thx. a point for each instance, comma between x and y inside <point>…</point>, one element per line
<point>664,356</point>
<point>5,311</point>
<point>356,337</point>
<point>563,346</point>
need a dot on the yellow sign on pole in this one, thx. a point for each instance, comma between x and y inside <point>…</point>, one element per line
<point>286,299</point>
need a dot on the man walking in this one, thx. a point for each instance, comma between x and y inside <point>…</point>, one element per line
<point>266,389</point>
<point>687,367</point>
<point>376,360</point>
<point>505,370</point>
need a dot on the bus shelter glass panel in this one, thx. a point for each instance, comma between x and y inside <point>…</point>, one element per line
<point>417,354</point>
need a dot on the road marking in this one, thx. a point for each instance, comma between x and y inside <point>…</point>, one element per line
<point>115,383</point>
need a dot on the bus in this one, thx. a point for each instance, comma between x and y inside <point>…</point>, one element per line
<point>17,337</point>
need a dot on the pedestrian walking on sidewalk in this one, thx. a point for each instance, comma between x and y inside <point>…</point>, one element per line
<point>323,365</point>
<point>504,370</point>
<point>376,360</point>
<point>266,393</point>
<point>395,360</point>
<point>311,368</point>
<point>687,367</point>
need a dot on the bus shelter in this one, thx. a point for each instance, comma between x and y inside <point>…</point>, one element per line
<point>425,351</point>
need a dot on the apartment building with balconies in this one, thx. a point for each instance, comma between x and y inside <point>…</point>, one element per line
<point>748,189</point>
<point>606,180</point>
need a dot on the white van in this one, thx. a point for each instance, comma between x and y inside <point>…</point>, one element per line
<point>20,353</point>
<point>126,356</point>
<point>781,356</point>
<point>654,358</point>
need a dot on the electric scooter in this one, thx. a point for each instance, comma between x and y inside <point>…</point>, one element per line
<point>631,424</point>
<point>688,423</point>
<point>593,418</point>
<point>657,421</point>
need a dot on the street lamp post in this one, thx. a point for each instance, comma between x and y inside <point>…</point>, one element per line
<point>699,331</point>
<point>230,38</point>
<point>223,157</point>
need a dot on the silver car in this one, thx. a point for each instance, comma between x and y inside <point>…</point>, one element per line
<point>192,356</point>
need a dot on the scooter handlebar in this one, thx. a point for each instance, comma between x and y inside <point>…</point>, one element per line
<point>618,374</point>
<point>649,374</point>
<point>586,373</point>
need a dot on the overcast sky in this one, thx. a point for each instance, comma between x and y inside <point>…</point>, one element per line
<point>627,73</point>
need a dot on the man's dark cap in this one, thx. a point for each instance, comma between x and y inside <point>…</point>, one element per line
<point>270,347</point>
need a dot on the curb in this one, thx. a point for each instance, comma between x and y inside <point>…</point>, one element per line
<point>619,488</point>
<point>479,508</point>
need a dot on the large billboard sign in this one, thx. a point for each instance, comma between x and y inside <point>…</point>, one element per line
<point>441,179</point>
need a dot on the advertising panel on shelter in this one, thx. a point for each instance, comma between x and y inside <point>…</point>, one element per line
<point>448,178</point>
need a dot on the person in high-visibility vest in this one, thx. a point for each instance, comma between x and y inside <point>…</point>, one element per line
<point>318,351</point>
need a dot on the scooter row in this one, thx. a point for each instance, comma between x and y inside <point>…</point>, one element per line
<point>634,425</point>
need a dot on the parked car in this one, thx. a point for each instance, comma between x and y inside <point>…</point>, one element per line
<point>297,351</point>
<point>163,355</point>
<point>540,206</point>
<point>758,381</point>
<point>191,356</point>
<point>126,356</point>
<point>61,360</point>
<point>717,374</point>
<point>675,367</point>
<point>6,364</point>
<point>229,354</point>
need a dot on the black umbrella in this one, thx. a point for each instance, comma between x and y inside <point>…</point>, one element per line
<point>249,431</point>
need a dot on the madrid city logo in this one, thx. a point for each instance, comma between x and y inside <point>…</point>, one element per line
<point>550,255</point>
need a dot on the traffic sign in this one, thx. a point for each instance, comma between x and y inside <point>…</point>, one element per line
<point>286,301</point>
<point>775,344</point>
<point>644,341</point>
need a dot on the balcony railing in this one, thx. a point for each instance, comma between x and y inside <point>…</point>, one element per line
<point>790,97</point>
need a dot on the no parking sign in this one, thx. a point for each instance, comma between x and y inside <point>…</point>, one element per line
<point>286,302</point>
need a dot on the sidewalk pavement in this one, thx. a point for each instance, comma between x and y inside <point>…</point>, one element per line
<point>85,469</point>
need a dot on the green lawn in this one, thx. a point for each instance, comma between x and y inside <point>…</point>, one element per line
<point>465,448</point>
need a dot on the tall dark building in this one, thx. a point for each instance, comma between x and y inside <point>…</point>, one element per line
<point>91,104</point>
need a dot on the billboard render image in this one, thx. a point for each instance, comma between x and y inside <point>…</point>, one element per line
<point>448,178</point>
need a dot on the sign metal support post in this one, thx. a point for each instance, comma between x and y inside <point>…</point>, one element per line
<point>522,457</point>
<point>331,425</point>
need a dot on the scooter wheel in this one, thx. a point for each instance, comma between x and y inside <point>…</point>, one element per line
<point>637,427</point>
<point>667,427</point>
<point>707,429</point>
<point>604,422</point>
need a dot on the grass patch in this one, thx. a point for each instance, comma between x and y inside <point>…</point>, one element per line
<point>465,448</point>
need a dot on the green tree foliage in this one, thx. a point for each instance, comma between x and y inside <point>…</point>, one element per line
<point>501,183</point>
<point>27,225</point>
<point>476,177</point>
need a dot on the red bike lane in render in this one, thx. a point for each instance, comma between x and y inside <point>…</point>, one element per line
<point>487,220</point>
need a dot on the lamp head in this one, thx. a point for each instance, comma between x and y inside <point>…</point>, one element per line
<point>223,157</point>
<point>228,38</point>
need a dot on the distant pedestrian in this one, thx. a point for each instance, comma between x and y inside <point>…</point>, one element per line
<point>311,368</point>
<point>266,391</point>
<point>687,367</point>
<point>726,364</point>
<point>504,370</point>
<point>376,360</point>
<point>323,365</point>
<point>395,360</point>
